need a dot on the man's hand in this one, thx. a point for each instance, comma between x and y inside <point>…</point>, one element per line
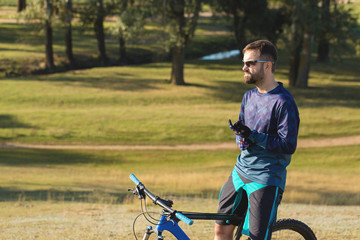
<point>240,129</point>
<point>241,142</point>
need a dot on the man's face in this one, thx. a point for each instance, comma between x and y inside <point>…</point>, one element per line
<point>254,73</point>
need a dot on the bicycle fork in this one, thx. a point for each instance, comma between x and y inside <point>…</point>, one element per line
<point>148,232</point>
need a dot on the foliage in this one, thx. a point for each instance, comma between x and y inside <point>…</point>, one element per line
<point>254,20</point>
<point>36,14</point>
<point>129,24</point>
<point>343,31</point>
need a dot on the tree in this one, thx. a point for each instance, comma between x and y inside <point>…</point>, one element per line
<point>68,11</point>
<point>129,25</point>
<point>310,20</point>
<point>304,25</point>
<point>181,17</point>
<point>21,5</point>
<point>337,27</point>
<point>94,12</point>
<point>39,13</point>
<point>253,20</point>
<point>323,41</point>
<point>49,63</point>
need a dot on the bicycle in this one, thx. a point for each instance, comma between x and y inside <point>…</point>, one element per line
<point>288,229</point>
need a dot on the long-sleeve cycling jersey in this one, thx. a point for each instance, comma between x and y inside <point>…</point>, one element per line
<point>274,120</point>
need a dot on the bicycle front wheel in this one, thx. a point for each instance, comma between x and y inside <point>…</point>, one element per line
<point>291,229</point>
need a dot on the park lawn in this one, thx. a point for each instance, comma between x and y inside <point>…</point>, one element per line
<point>136,105</point>
<point>82,194</point>
<point>316,175</point>
<point>99,221</point>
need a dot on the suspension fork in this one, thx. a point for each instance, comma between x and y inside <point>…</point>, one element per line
<point>148,232</point>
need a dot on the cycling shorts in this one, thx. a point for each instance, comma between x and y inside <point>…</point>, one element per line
<point>258,201</point>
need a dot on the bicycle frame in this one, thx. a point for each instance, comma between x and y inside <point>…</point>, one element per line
<point>166,225</point>
<point>170,225</point>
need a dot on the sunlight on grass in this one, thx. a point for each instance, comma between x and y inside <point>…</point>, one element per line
<point>136,105</point>
<point>315,175</point>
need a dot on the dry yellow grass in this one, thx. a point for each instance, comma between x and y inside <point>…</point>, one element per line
<point>70,220</point>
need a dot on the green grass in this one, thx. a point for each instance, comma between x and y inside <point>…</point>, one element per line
<point>136,104</point>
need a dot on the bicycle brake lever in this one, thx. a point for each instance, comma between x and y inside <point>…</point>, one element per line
<point>137,192</point>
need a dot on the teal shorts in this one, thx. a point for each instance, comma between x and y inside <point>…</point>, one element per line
<point>258,201</point>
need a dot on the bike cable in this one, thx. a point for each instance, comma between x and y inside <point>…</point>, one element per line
<point>144,214</point>
<point>147,212</point>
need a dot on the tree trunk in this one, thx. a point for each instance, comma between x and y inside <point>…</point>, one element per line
<point>122,52</point>
<point>21,5</point>
<point>68,33</point>
<point>304,63</point>
<point>49,63</point>
<point>177,71</point>
<point>296,46</point>
<point>99,31</point>
<point>323,49</point>
<point>239,29</point>
<point>49,59</point>
<point>178,51</point>
<point>122,46</point>
<point>294,62</point>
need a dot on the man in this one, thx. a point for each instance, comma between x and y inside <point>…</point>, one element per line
<point>267,135</point>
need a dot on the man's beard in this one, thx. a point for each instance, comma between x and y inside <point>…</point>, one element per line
<point>256,78</point>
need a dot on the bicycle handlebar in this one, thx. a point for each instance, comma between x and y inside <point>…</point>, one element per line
<point>160,202</point>
<point>134,179</point>
<point>183,218</point>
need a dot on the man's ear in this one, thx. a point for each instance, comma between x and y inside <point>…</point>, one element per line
<point>268,65</point>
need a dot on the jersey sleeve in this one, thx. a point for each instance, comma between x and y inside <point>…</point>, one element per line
<point>285,138</point>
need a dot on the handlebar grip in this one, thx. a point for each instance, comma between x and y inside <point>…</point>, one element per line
<point>134,179</point>
<point>183,218</point>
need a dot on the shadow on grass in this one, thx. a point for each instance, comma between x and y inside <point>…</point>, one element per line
<point>11,195</point>
<point>9,121</point>
<point>48,157</point>
<point>18,195</point>
<point>322,197</point>
<point>319,97</point>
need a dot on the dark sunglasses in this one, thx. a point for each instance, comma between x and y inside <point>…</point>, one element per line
<point>253,62</point>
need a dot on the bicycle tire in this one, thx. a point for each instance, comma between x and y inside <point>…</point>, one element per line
<point>291,229</point>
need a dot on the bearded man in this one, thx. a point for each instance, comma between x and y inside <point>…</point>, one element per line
<point>266,133</point>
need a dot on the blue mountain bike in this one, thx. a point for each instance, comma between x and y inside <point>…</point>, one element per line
<point>285,229</point>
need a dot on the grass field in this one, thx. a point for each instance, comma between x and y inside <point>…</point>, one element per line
<point>65,221</point>
<point>82,194</point>
<point>135,105</point>
<point>72,194</point>
<point>316,175</point>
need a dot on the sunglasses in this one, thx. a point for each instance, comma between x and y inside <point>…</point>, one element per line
<point>253,62</point>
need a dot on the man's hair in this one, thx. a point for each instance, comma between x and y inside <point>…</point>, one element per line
<point>266,49</point>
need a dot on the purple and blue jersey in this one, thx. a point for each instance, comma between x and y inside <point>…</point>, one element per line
<point>274,120</point>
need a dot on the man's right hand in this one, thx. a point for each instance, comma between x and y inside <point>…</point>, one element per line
<point>240,128</point>
<point>241,142</point>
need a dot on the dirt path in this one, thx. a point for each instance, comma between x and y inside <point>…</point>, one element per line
<point>303,143</point>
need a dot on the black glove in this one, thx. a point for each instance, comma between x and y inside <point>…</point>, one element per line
<point>240,128</point>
